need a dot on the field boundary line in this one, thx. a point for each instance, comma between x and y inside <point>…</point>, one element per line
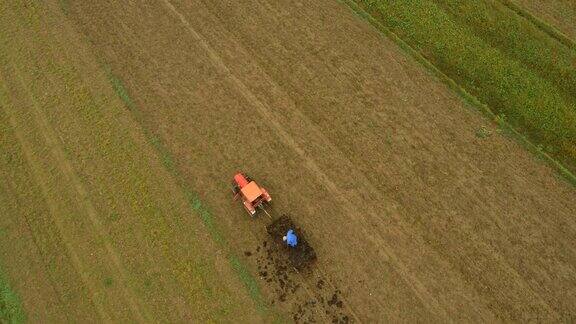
<point>541,24</point>
<point>462,93</point>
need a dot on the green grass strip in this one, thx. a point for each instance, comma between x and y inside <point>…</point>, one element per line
<point>519,39</point>
<point>245,276</point>
<point>193,199</point>
<point>10,306</point>
<point>527,107</point>
<point>547,28</point>
<point>64,6</point>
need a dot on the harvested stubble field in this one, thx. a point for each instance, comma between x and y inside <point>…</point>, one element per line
<point>123,122</point>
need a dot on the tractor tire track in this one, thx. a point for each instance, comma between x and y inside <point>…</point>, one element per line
<point>82,200</point>
<point>27,221</point>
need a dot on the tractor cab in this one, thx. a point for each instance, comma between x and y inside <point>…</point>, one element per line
<point>253,196</point>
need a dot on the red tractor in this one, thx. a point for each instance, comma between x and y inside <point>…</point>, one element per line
<point>253,196</point>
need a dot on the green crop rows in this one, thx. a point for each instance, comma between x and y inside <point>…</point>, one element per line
<point>522,73</point>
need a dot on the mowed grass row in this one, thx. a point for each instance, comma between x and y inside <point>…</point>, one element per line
<point>521,73</point>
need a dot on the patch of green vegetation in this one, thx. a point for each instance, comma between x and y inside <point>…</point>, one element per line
<point>519,39</point>
<point>537,110</point>
<point>65,6</point>
<point>121,91</point>
<point>249,282</point>
<point>547,28</point>
<point>10,306</point>
<point>483,132</point>
<point>204,213</point>
<point>108,282</point>
<point>113,217</point>
<point>167,160</point>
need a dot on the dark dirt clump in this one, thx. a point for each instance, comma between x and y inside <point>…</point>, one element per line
<point>335,301</point>
<point>303,254</point>
<point>308,303</point>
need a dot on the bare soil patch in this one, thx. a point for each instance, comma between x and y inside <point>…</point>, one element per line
<point>303,255</point>
<point>291,287</point>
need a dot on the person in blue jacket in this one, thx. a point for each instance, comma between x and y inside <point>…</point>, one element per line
<point>290,238</point>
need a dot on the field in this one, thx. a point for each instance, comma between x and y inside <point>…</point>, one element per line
<point>524,75</point>
<point>122,124</point>
<point>95,227</point>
